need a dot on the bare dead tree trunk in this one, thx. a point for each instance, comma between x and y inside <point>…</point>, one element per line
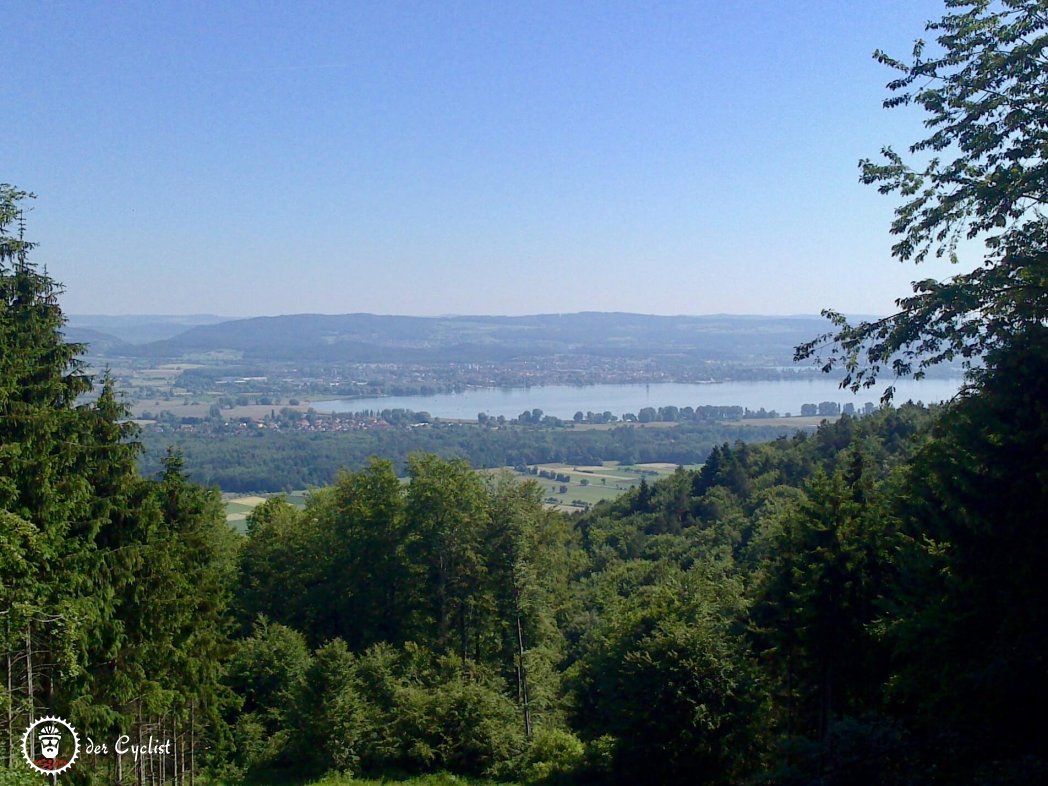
<point>29,668</point>
<point>10,697</point>
<point>140,765</point>
<point>522,673</point>
<point>152,756</point>
<point>442,620</point>
<point>174,736</point>
<point>192,742</point>
<point>523,679</point>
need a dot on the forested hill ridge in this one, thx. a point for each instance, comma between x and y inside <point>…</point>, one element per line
<point>133,328</point>
<point>370,338</point>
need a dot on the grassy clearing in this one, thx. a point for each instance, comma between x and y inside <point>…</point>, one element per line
<point>238,508</point>
<point>587,485</point>
<point>237,520</point>
<point>298,498</point>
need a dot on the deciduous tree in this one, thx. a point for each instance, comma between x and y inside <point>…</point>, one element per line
<point>984,93</point>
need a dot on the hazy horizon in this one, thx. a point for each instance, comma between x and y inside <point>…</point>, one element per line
<point>432,160</point>
<point>214,318</point>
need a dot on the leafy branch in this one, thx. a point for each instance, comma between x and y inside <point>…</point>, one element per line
<point>986,96</point>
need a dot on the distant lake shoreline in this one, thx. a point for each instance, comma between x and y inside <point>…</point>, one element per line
<point>563,401</point>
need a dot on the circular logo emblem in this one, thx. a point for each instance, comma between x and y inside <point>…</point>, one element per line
<point>50,745</point>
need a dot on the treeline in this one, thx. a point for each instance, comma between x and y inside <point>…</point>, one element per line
<point>267,461</point>
<point>711,413</point>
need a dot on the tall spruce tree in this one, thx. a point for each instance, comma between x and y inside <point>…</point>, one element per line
<point>46,440</point>
<point>113,587</point>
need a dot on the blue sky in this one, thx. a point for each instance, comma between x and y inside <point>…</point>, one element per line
<point>429,158</point>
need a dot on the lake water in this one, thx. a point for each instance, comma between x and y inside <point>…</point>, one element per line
<point>563,401</point>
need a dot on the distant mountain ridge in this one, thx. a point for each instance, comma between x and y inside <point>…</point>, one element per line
<point>134,328</point>
<point>374,338</point>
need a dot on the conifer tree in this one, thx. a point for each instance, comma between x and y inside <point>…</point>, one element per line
<point>114,587</point>
<point>46,438</point>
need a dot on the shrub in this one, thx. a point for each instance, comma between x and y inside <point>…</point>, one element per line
<point>553,757</point>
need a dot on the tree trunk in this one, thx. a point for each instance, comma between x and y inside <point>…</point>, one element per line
<point>10,700</point>
<point>521,669</point>
<point>174,763</point>
<point>140,765</point>
<point>29,668</point>
<point>192,742</point>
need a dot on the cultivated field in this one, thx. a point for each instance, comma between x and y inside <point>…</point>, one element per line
<point>238,508</point>
<point>586,485</point>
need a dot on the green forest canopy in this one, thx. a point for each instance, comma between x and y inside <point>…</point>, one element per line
<point>862,605</point>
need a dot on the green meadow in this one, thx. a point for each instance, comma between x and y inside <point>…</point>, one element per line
<point>587,485</point>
